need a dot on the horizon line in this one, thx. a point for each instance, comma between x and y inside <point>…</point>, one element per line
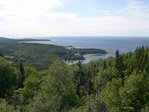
<point>73,36</point>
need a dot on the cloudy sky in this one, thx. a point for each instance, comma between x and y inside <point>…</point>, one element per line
<point>38,18</point>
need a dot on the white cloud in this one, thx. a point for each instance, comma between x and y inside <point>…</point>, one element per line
<point>136,9</point>
<point>103,12</point>
<point>135,5</point>
<point>26,9</point>
<point>27,18</point>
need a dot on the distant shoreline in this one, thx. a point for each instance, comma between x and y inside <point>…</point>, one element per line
<point>85,56</point>
<point>88,55</point>
<point>23,40</point>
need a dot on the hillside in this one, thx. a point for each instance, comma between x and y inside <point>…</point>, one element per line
<point>41,56</point>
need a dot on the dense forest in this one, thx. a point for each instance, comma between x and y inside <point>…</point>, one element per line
<point>41,56</point>
<point>115,84</point>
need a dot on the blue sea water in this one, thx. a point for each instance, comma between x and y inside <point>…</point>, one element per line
<point>110,44</point>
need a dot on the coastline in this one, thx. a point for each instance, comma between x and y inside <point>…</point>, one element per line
<point>71,62</point>
<point>89,55</point>
<point>96,54</point>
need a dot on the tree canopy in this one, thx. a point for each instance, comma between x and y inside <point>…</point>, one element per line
<point>115,84</point>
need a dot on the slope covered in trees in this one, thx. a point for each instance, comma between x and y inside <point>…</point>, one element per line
<point>119,84</point>
<point>41,56</point>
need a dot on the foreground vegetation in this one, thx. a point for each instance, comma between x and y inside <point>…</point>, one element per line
<point>119,84</point>
<point>41,56</point>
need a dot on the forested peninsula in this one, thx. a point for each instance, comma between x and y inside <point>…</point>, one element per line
<point>41,56</point>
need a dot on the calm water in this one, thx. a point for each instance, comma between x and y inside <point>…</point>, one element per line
<point>110,44</point>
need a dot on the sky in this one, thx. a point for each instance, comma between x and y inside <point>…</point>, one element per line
<point>44,18</point>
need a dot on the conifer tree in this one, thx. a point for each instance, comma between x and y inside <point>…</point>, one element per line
<point>119,64</point>
<point>104,65</point>
<point>1,55</point>
<point>141,56</point>
<point>79,78</point>
<point>22,75</point>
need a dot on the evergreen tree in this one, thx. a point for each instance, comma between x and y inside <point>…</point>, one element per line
<point>22,75</point>
<point>7,78</point>
<point>78,77</point>
<point>119,64</point>
<point>90,78</point>
<point>1,55</point>
<point>104,65</point>
<point>141,56</point>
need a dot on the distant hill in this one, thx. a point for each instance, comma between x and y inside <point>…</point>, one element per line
<point>4,39</point>
<point>29,39</point>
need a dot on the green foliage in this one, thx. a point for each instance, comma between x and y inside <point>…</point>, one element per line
<point>1,55</point>
<point>5,107</point>
<point>111,95</point>
<point>57,91</point>
<point>119,64</point>
<point>119,84</point>
<point>104,76</point>
<point>84,77</point>
<point>80,109</point>
<point>22,75</point>
<point>130,96</point>
<point>41,56</point>
<point>141,58</point>
<point>93,103</point>
<point>8,78</point>
<point>31,86</point>
<point>91,51</point>
<point>145,109</point>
